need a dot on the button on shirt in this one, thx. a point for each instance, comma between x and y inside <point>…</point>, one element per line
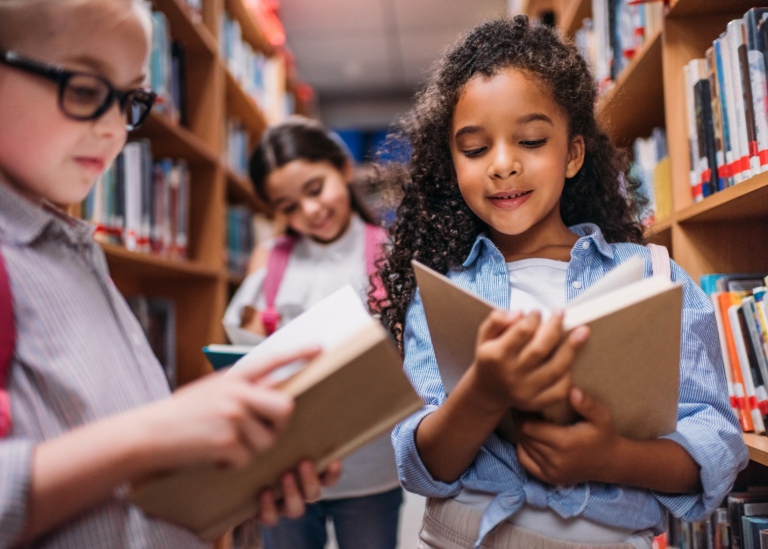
<point>706,428</point>
<point>80,356</point>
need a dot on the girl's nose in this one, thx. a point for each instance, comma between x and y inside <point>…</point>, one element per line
<point>503,163</point>
<point>310,207</point>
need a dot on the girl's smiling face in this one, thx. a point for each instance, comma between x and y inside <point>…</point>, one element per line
<point>512,153</point>
<point>313,196</point>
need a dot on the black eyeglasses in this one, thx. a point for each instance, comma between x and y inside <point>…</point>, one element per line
<point>87,96</point>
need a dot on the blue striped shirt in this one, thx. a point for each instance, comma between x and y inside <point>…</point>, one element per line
<point>706,427</point>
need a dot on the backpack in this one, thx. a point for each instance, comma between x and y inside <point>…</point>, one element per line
<point>278,261</point>
<point>7,344</point>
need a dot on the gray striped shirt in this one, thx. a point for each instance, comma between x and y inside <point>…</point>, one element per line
<point>80,357</point>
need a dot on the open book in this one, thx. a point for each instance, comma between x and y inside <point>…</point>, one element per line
<point>353,392</point>
<point>630,363</point>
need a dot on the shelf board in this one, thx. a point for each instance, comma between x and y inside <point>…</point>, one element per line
<point>635,103</point>
<point>243,106</point>
<point>758,447</point>
<point>745,200</point>
<point>170,139</point>
<point>143,264</point>
<point>687,8</point>
<point>240,189</point>
<point>184,27</point>
<point>573,14</point>
<point>252,33</point>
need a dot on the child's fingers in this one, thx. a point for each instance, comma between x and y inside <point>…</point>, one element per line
<point>544,341</point>
<point>258,368</point>
<point>269,405</point>
<point>517,335</point>
<point>331,475</point>
<point>293,501</point>
<point>268,514</point>
<point>528,462</point>
<point>555,382</point>
<point>498,321</point>
<point>589,408</point>
<point>309,481</point>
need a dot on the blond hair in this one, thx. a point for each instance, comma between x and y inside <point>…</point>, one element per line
<point>37,21</point>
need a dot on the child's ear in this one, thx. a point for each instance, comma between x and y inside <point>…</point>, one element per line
<point>575,156</point>
<point>348,171</point>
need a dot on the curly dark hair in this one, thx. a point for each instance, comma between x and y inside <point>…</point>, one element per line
<point>434,224</point>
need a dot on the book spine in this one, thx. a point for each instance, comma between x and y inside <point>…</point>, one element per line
<point>725,300</point>
<point>749,104</point>
<point>726,112</point>
<point>693,139</point>
<point>749,386</point>
<point>731,52</point>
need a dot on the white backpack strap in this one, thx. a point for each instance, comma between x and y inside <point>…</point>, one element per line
<point>660,261</point>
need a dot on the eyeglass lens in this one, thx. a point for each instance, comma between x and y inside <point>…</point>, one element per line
<point>84,96</point>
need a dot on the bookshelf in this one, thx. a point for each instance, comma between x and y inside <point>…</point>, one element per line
<point>199,285</point>
<point>727,231</point>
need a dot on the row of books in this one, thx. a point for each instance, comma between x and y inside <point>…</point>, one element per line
<point>727,109</point>
<point>741,310</point>
<point>651,166</point>
<point>141,204</point>
<point>263,78</point>
<point>740,523</point>
<point>157,317</point>
<point>236,146</point>
<point>166,70</point>
<point>616,31</point>
<point>240,239</point>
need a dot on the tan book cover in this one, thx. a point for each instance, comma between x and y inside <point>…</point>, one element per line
<point>346,397</point>
<point>630,363</point>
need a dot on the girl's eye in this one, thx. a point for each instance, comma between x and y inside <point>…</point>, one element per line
<point>533,144</point>
<point>315,189</point>
<point>288,210</point>
<point>471,153</point>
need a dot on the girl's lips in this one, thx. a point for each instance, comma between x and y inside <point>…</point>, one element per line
<point>510,200</point>
<point>90,163</point>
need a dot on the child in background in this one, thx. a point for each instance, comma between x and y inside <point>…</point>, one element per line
<point>90,406</point>
<point>303,173</point>
<point>519,196</point>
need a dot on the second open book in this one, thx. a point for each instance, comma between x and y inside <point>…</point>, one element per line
<point>630,363</point>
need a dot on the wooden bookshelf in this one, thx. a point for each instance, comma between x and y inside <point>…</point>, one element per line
<point>727,231</point>
<point>758,448</point>
<point>635,103</point>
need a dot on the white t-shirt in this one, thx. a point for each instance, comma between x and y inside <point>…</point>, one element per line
<point>537,284</point>
<point>315,271</point>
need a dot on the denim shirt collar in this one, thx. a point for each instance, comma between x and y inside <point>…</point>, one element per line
<point>483,245</point>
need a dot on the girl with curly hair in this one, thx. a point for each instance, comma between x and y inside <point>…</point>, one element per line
<point>517,195</point>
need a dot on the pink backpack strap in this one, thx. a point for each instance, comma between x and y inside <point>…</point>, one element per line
<point>660,261</point>
<point>276,265</point>
<point>7,344</point>
<point>374,248</point>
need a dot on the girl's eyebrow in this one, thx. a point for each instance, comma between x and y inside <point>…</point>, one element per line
<point>535,117</point>
<point>467,129</point>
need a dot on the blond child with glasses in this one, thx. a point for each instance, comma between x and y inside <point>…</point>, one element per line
<point>90,408</point>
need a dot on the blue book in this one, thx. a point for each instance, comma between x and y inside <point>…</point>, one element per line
<point>223,356</point>
<point>751,527</point>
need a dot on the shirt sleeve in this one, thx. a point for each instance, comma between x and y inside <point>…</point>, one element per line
<point>246,294</point>
<point>706,426</point>
<point>15,482</point>
<point>421,368</point>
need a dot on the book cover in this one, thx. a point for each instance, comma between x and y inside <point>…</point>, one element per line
<point>640,390</point>
<point>352,393</point>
